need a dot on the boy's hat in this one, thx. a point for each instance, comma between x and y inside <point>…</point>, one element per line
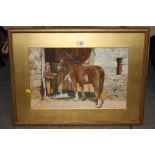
<point>47,64</point>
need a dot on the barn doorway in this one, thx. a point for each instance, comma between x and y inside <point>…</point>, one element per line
<point>52,55</point>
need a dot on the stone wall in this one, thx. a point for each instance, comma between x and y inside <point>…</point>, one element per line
<point>35,65</point>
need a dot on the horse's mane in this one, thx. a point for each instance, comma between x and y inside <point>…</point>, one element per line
<point>71,58</point>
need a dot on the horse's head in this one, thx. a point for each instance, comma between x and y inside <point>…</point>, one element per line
<point>64,61</point>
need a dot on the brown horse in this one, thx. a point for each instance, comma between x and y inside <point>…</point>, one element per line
<point>83,75</point>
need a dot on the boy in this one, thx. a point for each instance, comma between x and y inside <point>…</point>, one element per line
<point>47,74</point>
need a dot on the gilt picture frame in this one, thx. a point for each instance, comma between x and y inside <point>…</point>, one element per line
<point>78,76</point>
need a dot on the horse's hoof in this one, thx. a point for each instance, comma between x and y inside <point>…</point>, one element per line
<point>75,99</point>
<point>83,99</point>
<point>98,106</point>
<point>99,103</point>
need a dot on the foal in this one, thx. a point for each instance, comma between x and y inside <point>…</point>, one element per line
<point>83,75</point>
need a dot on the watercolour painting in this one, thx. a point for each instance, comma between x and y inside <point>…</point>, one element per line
<point>78,78</point>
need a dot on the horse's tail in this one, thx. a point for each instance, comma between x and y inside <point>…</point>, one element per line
<point>101,80</point>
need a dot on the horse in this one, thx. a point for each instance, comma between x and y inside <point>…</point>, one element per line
<point>81,75</point>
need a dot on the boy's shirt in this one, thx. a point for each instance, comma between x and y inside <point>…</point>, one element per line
<point>47,75</point>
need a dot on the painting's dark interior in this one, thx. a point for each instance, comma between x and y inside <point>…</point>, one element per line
<point>52,54</point>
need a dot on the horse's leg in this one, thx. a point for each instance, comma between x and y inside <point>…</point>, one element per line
<point>76,98</point>
<point>83,97</point>
<point>100,89</point>
<point>98,95</point>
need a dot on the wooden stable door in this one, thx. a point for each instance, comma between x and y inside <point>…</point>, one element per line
<point>80,54</point>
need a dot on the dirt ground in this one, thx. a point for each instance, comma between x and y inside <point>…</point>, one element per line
<point>68,103</point>
<point>71,104</point>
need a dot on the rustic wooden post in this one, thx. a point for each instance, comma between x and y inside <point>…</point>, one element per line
<point>43,67</point>
<point>119,66</point>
